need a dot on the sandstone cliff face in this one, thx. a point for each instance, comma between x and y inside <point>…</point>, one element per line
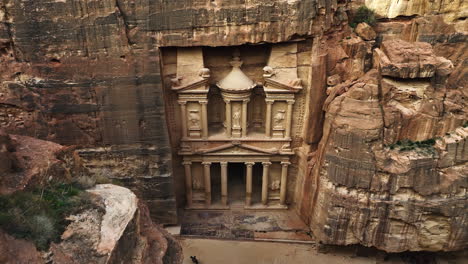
<point>88,72</point>
<point>371,190</point>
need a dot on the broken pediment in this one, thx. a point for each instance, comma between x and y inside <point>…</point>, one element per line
<point>281,71</point>
<point>191,76</point>
<point>238,149</point>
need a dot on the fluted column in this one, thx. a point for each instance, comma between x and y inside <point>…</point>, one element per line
<point>244,117</point>
<point>188,182</point>
<point>265,178</point>
<point>284,180</point>
<point>183,116</point>
<point>204,119</point>
<point>269,104</point>
<point>224,182</point>
<point>289,118</point>
<point>228,118</point>
<point>248,185</point>
<point>206,174</point>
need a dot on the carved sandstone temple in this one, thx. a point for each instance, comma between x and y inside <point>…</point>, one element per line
<point>235,143</point>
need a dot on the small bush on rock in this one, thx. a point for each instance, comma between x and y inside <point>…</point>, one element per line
<point>39,215</point>
<point>364,14</point>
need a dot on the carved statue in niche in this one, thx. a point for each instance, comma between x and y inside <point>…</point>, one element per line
<point>194,119</point>
<point>236,116</point>
<point>279,118</point>
<point>197,183</point>
<point>275,185</point>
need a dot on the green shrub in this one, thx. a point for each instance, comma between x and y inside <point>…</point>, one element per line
<point>363,14</point>
<point>39,215</point>
<point>406,145</point>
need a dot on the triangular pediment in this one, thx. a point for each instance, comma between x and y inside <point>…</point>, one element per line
<point>280,86</point>
<point>238,149</point>
<point>199,86</point>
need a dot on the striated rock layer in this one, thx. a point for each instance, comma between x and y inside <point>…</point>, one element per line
<point>88,72</point>
<point>374,188</point>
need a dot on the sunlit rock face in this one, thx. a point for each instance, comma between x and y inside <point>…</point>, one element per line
<point>90,73</point>
<point>373,187</point>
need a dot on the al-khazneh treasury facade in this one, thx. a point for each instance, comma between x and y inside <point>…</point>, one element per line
<point>235,145</point>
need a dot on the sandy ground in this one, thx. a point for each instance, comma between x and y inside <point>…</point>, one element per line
<point>210,251</point>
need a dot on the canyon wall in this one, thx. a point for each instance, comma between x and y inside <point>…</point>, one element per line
<point>391,168</point>
<point>88,73</point>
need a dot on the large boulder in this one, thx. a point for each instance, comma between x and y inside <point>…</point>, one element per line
<point>401,59</point>
<point>118,229</point>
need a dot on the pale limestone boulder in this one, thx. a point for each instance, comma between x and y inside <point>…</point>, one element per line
<point>365,31</point>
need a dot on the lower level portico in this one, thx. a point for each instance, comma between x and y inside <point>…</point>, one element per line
<point>208,178</point>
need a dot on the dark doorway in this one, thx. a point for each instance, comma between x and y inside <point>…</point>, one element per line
<point>257,173</point>
<point>236,183</point>
<point>215,174</point>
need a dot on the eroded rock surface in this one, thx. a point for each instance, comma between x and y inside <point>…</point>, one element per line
<point>373,191</point>
<point>118,230</point>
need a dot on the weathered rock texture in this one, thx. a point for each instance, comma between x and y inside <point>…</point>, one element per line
<point>115,98</point>
<point>13,251</point>
<point>371,191</point>
<point>119,230</point>
<point>89,73</point>
<point>27,162</point>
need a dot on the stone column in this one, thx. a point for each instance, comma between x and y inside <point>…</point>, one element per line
<point>224,182</point>
<point>183,116</point>
<point>284,179</point>
<point>228,118</point>
<point>206,174</point>
<point>269,103</point>
<point>266,174</point>
<point>248,185</point>
<point>289,119</point>
<point>188,182</point>
<point>204,119</point>
<point>244,117</point>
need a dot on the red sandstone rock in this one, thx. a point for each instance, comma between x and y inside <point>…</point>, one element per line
<point>17,251</point>
<point>365,31</point>
<point>401,59</point>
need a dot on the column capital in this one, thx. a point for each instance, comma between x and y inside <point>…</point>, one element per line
<point>227,101</point>
<point>291,101</point>
<point>269,101</point>
<point>285,163</point>
<point>246,100</point>
<point>266,163</point>
<point>203,101</point>
<point>182,102</point>
<point>223,163</point>
<point>249,163</point>
<point>206,163</point>
<point>187,162</point>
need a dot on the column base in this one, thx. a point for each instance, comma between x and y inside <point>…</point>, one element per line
<point>266,207</point>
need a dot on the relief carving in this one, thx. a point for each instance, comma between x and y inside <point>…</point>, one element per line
<point>275,185</point>
<point>194,119</point>
<point>198,183</point>
<point>279,118</point>
<point>236,116</point>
